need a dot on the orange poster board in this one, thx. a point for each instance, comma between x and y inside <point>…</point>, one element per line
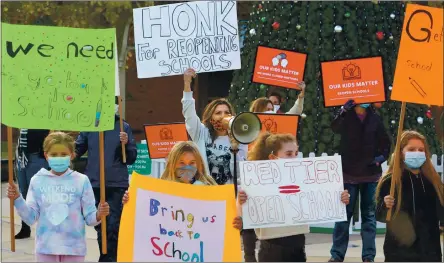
<point>419,68</point>
<point>360,79</point>
<point>161,138</point>
<point>278,67</point>
<point>278,123</point>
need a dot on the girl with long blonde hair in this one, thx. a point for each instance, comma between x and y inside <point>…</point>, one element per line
<point>417,203</point>
<point>216,145</point>
<point>185,165</point>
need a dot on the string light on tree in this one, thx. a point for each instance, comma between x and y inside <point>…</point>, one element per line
<point>338,29</point>
<point>252,31</point>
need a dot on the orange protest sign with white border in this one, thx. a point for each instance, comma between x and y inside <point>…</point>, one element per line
<point>279,67</point>
<point>161,138</point>
<point>360,79</point>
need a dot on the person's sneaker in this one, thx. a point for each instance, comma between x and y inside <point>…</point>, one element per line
<point>334,260</point>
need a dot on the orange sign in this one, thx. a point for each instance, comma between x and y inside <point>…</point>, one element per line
<point>278,123</point>
<point>161,138</point>
<point>360,79</point>
<point>419,68</point>
<point>279,67</point>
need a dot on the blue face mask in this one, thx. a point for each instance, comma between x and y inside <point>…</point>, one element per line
<point>414,160</point>
<point>365,106</point>
<point>59,164</point>
<point>186,174</point>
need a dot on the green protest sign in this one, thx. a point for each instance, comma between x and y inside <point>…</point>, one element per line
<point>58,78</point>
<point>143,162</point>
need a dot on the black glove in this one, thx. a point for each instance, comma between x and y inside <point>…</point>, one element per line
<point>349,105</point>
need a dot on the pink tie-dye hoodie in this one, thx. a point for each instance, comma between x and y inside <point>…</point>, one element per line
<point>61,205</point>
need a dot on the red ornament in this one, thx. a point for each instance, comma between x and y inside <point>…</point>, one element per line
<point>259,6</point>
<point>276,25</point>
<point>380,35</point>
<point>429,114</point>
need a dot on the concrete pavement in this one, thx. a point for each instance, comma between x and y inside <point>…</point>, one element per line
<point>317,249</point>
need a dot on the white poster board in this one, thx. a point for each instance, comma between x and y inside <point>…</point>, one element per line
<point>176,223</point>
<point>202,35</point>
<point>290,192</point>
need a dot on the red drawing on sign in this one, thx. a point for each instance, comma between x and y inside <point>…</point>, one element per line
<point>289,189</point>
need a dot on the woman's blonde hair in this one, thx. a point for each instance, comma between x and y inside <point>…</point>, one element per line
<point>427,170</point>
<point>208,114</point>
<point>268,143</point>
<point>260,105</point>
<point>58,138</point>
<point>174,157</point>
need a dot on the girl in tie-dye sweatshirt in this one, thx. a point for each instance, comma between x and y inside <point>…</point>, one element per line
<point>61,201</point>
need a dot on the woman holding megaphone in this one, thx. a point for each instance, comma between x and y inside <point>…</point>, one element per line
<point>211,134</point>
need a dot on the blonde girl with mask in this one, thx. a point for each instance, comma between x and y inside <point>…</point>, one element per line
<point>185,165</point>
<point>215,143</point>
<point>413,231</point>
<point>61,201</point>
<point>279,244</point>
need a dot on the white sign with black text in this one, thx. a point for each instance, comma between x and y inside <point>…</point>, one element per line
<point>290,192</point>
<point>202,35</point>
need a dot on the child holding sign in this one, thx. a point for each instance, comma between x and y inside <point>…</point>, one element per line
<point>185,165</point>
<point>279,244</point>
<point>413,232</point>
<point>60,201</point>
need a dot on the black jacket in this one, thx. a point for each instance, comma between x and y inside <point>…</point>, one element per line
<point>419,215</point>
<point>361,142</point>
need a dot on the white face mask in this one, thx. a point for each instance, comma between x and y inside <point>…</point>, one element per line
<point>276,107</point>
<point>270,111</point>
<point>116,109</point>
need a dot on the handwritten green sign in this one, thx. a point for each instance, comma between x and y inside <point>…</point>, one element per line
<point>58,78</point>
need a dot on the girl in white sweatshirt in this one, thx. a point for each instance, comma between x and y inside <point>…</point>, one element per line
<point>213,140</point>
<point>279,244</point>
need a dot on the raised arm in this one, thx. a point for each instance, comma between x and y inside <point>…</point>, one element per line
<point>130,147</point>
<point>298,106</point>
<point>336,124</point>
<point>192,121</point>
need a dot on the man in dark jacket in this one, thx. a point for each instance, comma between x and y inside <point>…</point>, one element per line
<point>364,146</point>
<point>116,177</point>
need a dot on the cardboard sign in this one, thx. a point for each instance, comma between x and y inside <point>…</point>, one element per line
<point>419,68</point>
<point>58,78</point>
<point>290,192</point>
<point>359,79</point>
<point>167,221</point>
<point>202,35</point>
<point>161,138</point>
<point>278,67</point>
<point>279,123</point>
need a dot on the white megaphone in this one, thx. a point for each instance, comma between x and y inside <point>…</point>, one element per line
<point>244,127</point>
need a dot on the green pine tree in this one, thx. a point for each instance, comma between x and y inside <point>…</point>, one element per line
<point>308,27</point>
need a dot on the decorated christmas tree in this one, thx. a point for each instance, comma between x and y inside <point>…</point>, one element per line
<point>328,31</point>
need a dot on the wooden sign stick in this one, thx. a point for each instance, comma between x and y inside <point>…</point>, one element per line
<point>11,181</point>
<point>397,156</point>
<point>121,128</point>
<point>102,189</point>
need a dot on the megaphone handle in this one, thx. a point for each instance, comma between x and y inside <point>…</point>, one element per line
<point>235,151</point>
